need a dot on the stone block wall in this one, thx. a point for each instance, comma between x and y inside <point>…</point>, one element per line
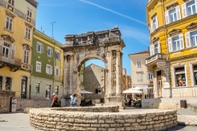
<point>166,103</point>
<point>26,103</point>
<point>5,100</point>
<point>47,119</point>
<point>88,109</point>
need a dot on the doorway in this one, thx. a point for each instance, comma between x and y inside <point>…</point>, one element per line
<point>24,87</point>
<point>159,84</point>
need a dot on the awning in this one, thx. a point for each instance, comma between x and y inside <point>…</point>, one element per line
<point>85,92</point>
<point>131,90</point>
<point>141,87</point>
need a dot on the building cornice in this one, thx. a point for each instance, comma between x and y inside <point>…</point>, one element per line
<point>47,38</point>
<point>34,3</point>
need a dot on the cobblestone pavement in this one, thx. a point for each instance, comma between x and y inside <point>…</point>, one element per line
<point>20,121</point>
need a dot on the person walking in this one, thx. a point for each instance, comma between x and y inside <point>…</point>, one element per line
<point>54,100</point>
<point>73,100</point>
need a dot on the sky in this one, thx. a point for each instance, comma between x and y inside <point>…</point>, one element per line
<point>58,18</point>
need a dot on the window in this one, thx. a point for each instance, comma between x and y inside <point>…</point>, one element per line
<point>154,48</point>
<point>138,63</point>
<point>39,47</point>
<point>57,90</point>
<point>6,49</point>
<point>8,83</point>
<point>49,69</point>
<point>57,71</point>
<point>175,43</point>
<point>189,8</point>
<point>26,56</point>
<point>154,23</point>
<point>9,23</point>
<point>180,79</point>
<point>150,76</point>
<point>11,2</point>
<point>38,88</point>
<point>38,66</point>
<point>57,55</point>
<point>139,76</point>
<point>49,51</point>
<point>27,33</point>
<point>191,39</point>
<point>172,15</point>
<point>29,12</point>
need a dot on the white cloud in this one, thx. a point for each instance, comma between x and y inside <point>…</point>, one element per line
<point>114,12</point>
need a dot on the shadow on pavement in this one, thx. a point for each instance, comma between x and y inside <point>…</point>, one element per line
<point>176,128</point>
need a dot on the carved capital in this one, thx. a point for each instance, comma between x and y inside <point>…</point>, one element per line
<point>162,66</point>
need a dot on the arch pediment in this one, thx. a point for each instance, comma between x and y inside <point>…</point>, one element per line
<point>192,26</point>
<point>174,32</point>
<point>155,39</point>
<point>26,46</point>
<point>7,38</point>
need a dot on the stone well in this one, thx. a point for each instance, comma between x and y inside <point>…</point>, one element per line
<point>83,119</point>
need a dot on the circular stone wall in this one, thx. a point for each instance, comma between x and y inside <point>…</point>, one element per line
<point>125,120</point>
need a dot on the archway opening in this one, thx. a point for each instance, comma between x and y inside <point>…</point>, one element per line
<point>92,80</point>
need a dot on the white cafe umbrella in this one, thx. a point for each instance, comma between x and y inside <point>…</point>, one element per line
<point>85,92</point>
<point>131,90</point>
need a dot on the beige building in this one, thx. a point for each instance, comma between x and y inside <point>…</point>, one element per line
<point>141,78</point>
<point>126,80</point>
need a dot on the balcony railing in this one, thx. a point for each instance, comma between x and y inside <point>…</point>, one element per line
<point>25,66</point>
<point>154,58</point>
<point>10,61</point>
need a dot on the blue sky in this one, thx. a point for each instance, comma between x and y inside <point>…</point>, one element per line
<point>81,16</point>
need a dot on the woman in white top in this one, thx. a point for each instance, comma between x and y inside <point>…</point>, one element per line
<point>73,100</point>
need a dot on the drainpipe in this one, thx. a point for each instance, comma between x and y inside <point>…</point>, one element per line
<point>167,53</point>
<point>54,64</point>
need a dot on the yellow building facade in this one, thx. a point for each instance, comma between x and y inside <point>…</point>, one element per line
<point>173,47</point>
<point>16,32</point>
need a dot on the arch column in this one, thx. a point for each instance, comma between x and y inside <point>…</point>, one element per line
<point>118,73</point>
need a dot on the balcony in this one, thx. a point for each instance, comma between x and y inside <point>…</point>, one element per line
<point>154,59</point>
<point>13,63</point>
<point>26,67</point>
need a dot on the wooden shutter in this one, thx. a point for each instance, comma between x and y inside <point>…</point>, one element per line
<point>51,52</point>
<point>151,24</point>
<point>157,23</point>
<point>178,13</point>
<point>1,46</point>
<point>51,70</point>
<point>151,50</point>
<point>167,17</point>
<point>47,69</point>
<point>196,5</point>
<point>159,49</point>
<point>181,41</point>
<point>188,40</point>
<point>13,50</point>
<point>170,44</point>
<point>184,11</point>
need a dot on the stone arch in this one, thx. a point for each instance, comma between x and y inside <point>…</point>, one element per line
<point>103,45</point>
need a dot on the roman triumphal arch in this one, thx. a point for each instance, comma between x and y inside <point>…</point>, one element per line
<point>104,45</point>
